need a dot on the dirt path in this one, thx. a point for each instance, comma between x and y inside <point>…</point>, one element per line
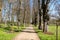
<point>27,34</point>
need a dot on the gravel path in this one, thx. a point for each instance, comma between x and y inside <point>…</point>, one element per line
<point>27,34</point>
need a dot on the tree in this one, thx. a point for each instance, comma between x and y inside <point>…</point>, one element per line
<point>27,11</point>
<point>45,10</point>
<point>57,8</point>
<point>35,12</point>
<point>39,10</point>
<point>18,14</point>
<point>24,6</point>
<point>1,10</point>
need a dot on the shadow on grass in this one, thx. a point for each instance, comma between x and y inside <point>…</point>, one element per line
<point>41,31</point>
<point>28,30</point>
<point>38,30</point>
<point>12,31</point>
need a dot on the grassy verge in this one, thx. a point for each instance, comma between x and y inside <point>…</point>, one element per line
<point>44,36</point>
<point>6,35</point>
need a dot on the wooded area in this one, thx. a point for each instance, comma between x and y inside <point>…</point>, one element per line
<point>20,13</point>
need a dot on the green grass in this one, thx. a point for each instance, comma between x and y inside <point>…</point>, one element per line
<point>44,36</point>
<point>6,35</point>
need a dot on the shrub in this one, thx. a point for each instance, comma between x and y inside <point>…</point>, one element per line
<point>2,25</point>
<point>16,30</point>
<point>8,28</point>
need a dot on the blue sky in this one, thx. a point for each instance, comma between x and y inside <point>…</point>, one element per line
<point>52,6</point>
<point>31,3</point>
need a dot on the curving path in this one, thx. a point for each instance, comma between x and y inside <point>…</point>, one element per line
<point>27,34</point>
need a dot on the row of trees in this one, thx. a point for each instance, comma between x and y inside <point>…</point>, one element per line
<point>18,11</point>
<point>14,13</point>
<point>43,11</point>
<point>40,8</point>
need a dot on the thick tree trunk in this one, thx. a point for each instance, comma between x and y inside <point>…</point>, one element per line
<point>44,21</point>
<point>45,26</point>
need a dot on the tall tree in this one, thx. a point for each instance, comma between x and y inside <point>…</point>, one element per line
<point>39,11</point>
<point>45,10</point>
<point>1,10</point>
<point>18,14</point>
<point>35,12</point>
<point>24,12</point>
<point>27,11</point>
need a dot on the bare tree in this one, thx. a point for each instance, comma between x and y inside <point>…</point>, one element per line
<point>35,12</point>
<point>39,10</point>
<point>18,13</point>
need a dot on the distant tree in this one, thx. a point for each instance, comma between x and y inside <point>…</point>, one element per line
<point>57,16</point>
<point>57,8</point>
<point>35,12</point>
<point>18,14</point>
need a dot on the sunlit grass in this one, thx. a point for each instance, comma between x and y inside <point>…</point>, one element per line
<point>51,29</point>
<point>6,35</point>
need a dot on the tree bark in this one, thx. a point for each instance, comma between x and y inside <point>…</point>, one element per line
<point>39,27</point>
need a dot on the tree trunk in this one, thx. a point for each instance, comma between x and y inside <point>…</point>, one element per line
<point>56,31</point>
<point>44,26</point>
<point>35,21</point>
<point>39,27</point>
